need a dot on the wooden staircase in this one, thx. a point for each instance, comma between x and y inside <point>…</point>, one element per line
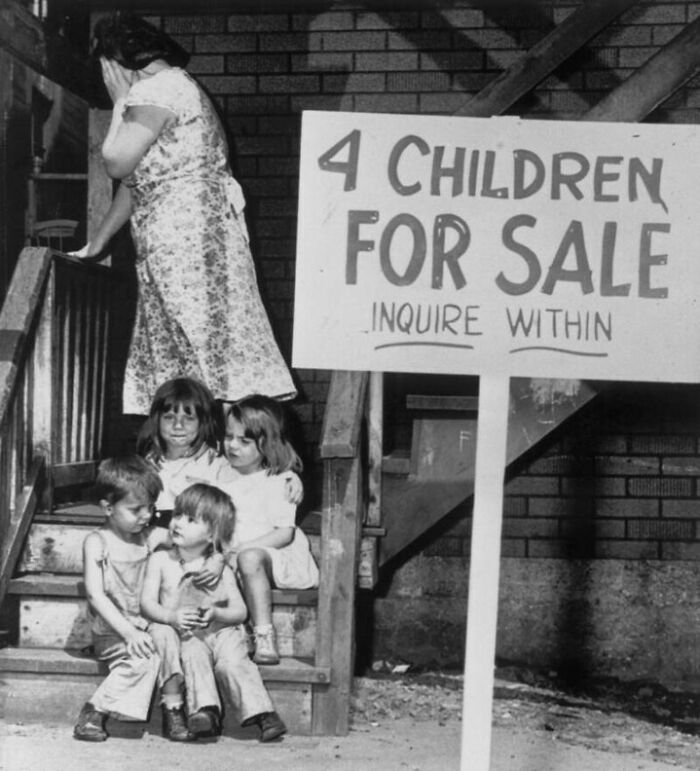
<point>54,332</point>
<point>54,636</point>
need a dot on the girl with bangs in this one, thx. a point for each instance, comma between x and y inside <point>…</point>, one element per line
<point>182,438</point>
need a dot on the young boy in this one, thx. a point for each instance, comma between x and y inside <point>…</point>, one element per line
<point>114,559</point>
<point>193,627</point>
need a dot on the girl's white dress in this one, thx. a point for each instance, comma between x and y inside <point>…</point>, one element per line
<point>177,475</point>
<point>261,505</point>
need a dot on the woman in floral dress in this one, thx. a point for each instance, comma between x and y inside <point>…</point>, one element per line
<point>199,312</point>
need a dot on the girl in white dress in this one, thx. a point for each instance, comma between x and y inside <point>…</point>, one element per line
<point>267,548</point>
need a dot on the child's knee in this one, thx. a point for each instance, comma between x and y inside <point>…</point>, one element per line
<point>163,636</point>
<point>251,560</point>
<point>145,665</point>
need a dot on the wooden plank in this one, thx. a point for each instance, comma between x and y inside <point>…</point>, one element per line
<point>375,421</point>
<point>444,447</point>
<point>336,594</point>
<point>544,57</point>
<point>47,661</point>
<point>368,564</point>
<point>653,82</point>
<point>538,407</point>
<point>81,472</point>
<point>47,584</point>
<point>19,313</point>
<point>20,523</point>
<point>63,622</point>
<point>447,402</point>
<point>342,418</point>
<point>484,563</point>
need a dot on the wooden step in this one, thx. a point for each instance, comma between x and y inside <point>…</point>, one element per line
<point>50,685</point>
<point>54,544</point>
<point>57,661</point>
<point>53,614</point>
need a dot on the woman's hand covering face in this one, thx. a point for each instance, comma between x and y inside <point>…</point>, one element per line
<point>117,79</point>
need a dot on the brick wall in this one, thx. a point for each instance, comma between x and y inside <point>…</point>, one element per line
<point>627,491</point>
<point>619,482</point>
<point>605,516</point>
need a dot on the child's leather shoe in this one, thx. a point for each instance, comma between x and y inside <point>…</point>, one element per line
<point>271,726</point>
<point>91,724</point>
<point>265,646</point>
<point>205,722</point>
<point>175,725</point>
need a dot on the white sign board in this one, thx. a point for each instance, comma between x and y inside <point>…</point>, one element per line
<point>498,245</point>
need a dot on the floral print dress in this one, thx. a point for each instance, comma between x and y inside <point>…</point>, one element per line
<point>199,312</point>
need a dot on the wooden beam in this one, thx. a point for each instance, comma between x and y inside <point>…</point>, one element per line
<point>335,630</point>
<point>653,82</point>
<point>544,57</point>
<point>342,419</point>
<point>23,35</point>
<point>412,506</point>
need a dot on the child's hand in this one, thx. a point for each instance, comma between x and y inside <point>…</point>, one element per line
<point>293,489</point>
<point>206,616</point>
<point>210,573</point>
<point>140,644</point>
<point>186,619</point>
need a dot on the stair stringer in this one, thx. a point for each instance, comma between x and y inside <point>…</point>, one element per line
<point>412,505</point>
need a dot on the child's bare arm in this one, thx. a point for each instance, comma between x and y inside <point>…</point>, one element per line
<point>158,536</point>
<point>211,571</point>
<point>138,642</point>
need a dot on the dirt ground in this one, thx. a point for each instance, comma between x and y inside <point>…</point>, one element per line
<point>412,722</point>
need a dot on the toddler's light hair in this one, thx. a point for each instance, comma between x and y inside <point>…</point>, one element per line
<point>209,504</point>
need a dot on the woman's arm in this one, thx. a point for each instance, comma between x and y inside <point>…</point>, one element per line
<point>137,641</point>
<point>132,131</point>
<point>117,215</point>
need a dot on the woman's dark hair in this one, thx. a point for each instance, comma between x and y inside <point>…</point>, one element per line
<point>134,43</point>
<point>191,394</point>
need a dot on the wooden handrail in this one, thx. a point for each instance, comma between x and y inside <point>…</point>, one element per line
<point>53,357</point>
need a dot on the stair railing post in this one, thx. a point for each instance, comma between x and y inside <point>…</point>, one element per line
<point>43,386</point>
<point>367,572</point>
